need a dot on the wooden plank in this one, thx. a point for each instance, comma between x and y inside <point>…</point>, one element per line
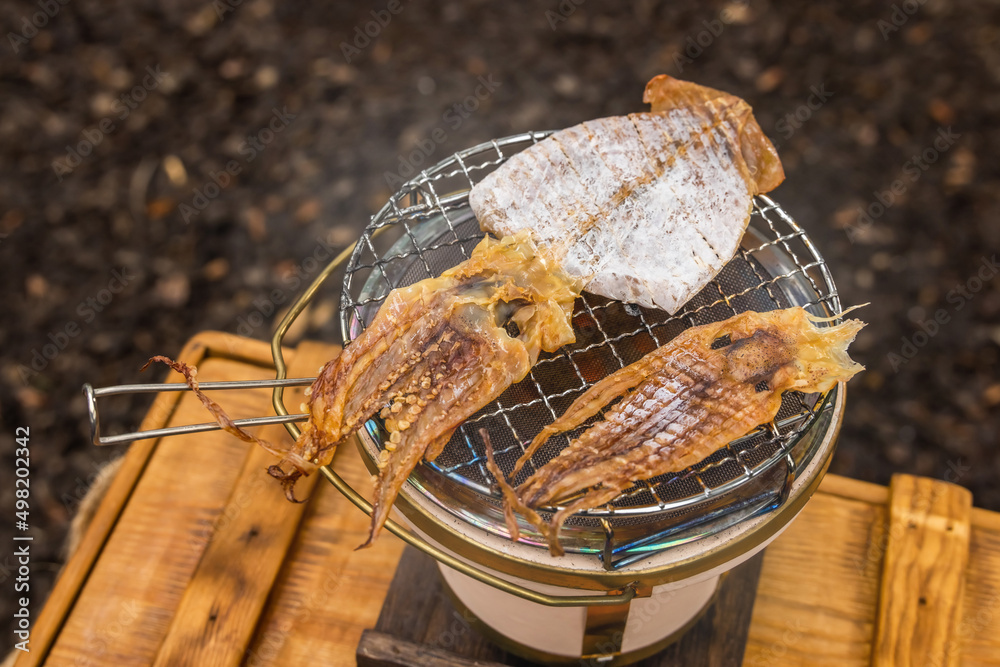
<point>377,649</point>
<point>128,600</point>
<point>923,573</point>
<point>215,619</point>
<point>985,519</point>
<point>816,600</point>
<point>854,489</point>
<point>978,637</point>
<point>327,593</point>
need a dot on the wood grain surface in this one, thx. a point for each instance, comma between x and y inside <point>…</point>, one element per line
<point>819,585</point>
<point>327,593</point>
<point>216,617</point>
<point>130,599</point>
<point>923,574</point>
<point>378,649</point>
<point>74,574</point>
<point>165,520</point>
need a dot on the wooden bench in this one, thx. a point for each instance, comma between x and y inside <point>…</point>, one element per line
<point>195,558</point>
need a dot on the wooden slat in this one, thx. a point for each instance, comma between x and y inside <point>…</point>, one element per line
<point>327,593</point>
<point>854,489</point>
<point>216,617</point>
<point>378,649</point>
<point>979,629</point>
<point>923,573</point>
<point>817,595</point>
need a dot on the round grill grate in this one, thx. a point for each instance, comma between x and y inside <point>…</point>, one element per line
<point>428,227</point>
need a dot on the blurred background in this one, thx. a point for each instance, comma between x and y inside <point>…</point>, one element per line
<point>167,167</point>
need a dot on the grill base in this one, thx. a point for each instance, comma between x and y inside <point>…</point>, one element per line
<point>448,629</point>
<point>554,635</point>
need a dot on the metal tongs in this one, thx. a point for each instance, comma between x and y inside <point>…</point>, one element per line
<point>95,423</point>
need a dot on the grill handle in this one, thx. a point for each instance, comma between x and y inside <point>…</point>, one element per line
<point>613,598</point>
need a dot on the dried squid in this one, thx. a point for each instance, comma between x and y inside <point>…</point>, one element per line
<point>682,401</point>
<point>436,352</point>
<point>645,208</point>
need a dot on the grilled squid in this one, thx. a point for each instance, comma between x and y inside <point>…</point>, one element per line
<point>645,208</point>
<point>682,401</point>
<point>436,352</point>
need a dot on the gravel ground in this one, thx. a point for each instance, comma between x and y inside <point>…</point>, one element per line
<point>116,244</point>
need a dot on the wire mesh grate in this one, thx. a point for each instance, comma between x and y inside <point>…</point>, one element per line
<point>777,266</point>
